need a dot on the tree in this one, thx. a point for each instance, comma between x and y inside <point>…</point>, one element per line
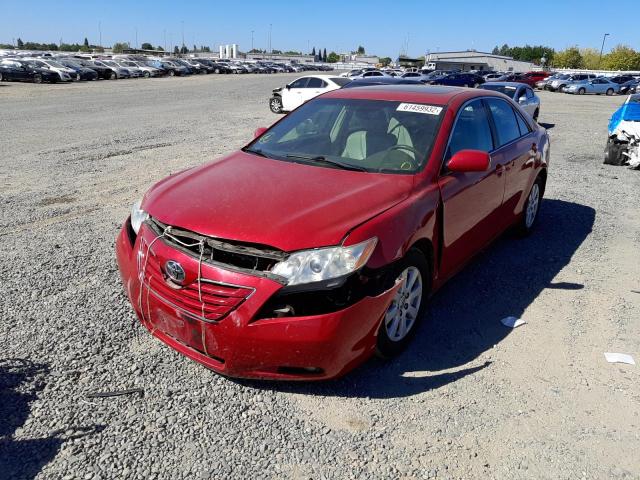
<point>146,46</point>
<point>119,47</point>
<point>360,50</point>
<point>159,48</point>
<point>86,42</point>
<point>333,57</point>
<point>504,50</point>
<point>495,51</point>
<point>20,43</point>
<point>195,49</point>
<point>569,58</point>
<point>324,55</point>
<point>184,49</point>
<point>385,61</point>
<point>84,48</point>
<point>622,57</point>
<point>590,58</point>
<point>176,50</point>
<point>313,52</point>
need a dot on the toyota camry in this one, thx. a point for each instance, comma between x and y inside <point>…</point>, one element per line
<point>319,243</point>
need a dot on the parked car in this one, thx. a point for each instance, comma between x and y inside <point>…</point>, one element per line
<point>531,78</point>
<point>558,84</point>
<point>373,198</point>
<point>620,79</point>
<point>303,89</point>
<point>117,69</point>
<point>84,72</point>
<point>492,77</point>
<point>370,81</point>
<point>18,70</point>
<point>459,80</point>
<point>65,74</point>
<point>597,86</point>
<point>630,86</point>
<point>623,141</point>
<point>142,69</point>
<point>519,92</point>
<point>103,72</point>
<point>134,72</point>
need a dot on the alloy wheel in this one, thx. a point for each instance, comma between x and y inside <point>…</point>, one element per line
<point>403,311</point>
<point>532,205</point>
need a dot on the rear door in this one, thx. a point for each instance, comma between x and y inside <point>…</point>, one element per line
<point>471,201</point>
<point>516,149</point>
<point>315,86</point>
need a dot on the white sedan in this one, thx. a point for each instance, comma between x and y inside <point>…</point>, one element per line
<point>294,94</point>
<point>521,93</point>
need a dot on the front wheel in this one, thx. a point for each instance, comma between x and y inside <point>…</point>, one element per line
<point>581,91</point>
<point>609,92</point>
<point>113,76</point>
<point>531,208</point>
<point>37,79</point>
<point>614,153</point>
<point>407,307</point>
<point>275,104</point>
<point>146,74</point>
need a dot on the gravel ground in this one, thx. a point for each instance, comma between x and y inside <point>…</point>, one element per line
<point>470,399</point>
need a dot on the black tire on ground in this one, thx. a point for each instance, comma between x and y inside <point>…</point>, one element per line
<point>609,92</point>
<point>526,225</point>
<point>113,76</point>
<point>1,79</point>
<point>37,79</point>
<point>275,104</point>
<point>385,347</point>
<point>146,74</point>
<point>581,91</point>
<point>172,73</point>
<point>614,153</point>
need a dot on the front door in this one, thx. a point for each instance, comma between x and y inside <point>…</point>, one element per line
<point>293,94</point>
<point>471,201</point>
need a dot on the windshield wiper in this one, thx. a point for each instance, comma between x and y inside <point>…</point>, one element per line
<point>335,163</point>
<point>258,152</point>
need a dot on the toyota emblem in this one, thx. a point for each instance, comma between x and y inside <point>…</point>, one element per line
<point>174,271</point>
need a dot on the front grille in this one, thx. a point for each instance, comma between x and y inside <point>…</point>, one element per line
<point>218,299</point>
<point>247,258</point>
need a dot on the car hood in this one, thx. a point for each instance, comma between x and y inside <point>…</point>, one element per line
<point>285,205</point>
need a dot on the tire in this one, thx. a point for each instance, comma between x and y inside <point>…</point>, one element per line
<point>531,208</point>
<point>172,73</point>
<point>275,104</point>
<point>614,153</point>
<point>37,79</point>
<point>581,91</point>
<point>399,323</point>
<point>146,74</point>
<point>535,114</point>
<point>217,70</point>
<point>1,79</point>
<point>113,76</point>
<point>609,92</point>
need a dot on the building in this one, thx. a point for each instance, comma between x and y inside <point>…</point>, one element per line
<point>280,57</point>
<point>473,60</point>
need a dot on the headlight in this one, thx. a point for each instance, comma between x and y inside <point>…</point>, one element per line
<point>137,216</point>
<point>322,264</point>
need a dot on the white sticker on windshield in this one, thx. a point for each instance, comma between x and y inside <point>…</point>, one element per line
<point>419,108</point>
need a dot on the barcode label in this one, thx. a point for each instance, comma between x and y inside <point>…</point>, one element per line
<point>419,108</point>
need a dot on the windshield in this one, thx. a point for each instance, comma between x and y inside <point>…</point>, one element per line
<point>508,90</point>
<point>71,64</point>
<point>366,135</point>
<point>110,63</point>
<point>53,64</point>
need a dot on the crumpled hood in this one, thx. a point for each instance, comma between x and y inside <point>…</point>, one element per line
<point>285,205</point>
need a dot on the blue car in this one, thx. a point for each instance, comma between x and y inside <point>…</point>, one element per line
<point>623,144</point>
<point>460,79</point>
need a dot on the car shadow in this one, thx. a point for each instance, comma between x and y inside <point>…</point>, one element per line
<point>463,320</point>
<point>20,383</point>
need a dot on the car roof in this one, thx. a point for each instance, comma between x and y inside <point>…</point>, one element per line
<point>318,76</point>
<point>435,95</point>
<point>506,84</point>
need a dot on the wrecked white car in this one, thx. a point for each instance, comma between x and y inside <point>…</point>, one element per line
<point>623,144</point>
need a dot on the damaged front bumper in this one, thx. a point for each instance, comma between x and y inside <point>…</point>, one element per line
<point>235,323</point>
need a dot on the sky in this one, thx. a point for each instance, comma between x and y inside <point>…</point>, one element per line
<point>384,28</point>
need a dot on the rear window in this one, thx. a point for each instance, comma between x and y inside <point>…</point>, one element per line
<point>508,90</point>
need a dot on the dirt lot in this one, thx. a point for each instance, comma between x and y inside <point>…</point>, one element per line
<point>470,399</point>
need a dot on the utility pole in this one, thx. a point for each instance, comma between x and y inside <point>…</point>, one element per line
<point>100,34</point>
<point>602,49</point>
<point>164,33</point>
<point>270,49</point>
<point>136,37</point>
<point>182,32</point>
<point>252,40</point>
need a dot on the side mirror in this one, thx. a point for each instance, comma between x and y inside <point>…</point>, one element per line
<point>522,100</point>
<point>259,132</point>
<point>288,86</point>
<point>469,161</point>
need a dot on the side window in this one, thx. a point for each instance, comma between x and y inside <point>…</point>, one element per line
<point>522,125</point>
<point>315,83</point>
<point>471,130</point>
<point>505,120</point>
<point>300,83</point>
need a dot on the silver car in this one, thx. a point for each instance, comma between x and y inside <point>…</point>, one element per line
<point>562,81</point>
<point>596,86</point>
<point>521,93</point>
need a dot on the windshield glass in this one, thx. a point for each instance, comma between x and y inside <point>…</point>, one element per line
<point>54,64</point>
<point>508,90</point>
<point>366,135</point>
<point>110,63</point>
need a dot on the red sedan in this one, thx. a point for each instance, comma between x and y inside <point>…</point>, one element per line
<point>319,243</point>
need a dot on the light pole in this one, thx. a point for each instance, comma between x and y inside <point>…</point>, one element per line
<point>136,37</point>
<point>252,40</point>
<point>602,49</point>
<point>270,50</point>
<point>100,34</point>
<point>182,22</point>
